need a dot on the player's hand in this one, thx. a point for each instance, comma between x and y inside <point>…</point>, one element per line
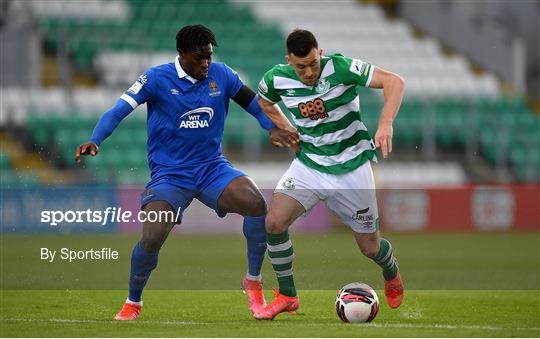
<point>88,148</point>
<point>282,138</point>
<point>383,138</point>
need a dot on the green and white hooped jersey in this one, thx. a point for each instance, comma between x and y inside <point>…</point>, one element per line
<point>333,138</point>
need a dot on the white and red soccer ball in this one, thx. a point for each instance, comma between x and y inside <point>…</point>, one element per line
<point>357,303</point>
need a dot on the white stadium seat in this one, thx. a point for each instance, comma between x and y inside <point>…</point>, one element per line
<point>362,31</point>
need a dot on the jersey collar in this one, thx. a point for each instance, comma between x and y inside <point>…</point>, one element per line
<point>181,72</point>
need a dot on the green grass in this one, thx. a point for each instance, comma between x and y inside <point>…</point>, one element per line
<point>224,314</point>
<point>466,285</point>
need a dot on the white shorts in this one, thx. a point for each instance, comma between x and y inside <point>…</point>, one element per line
<point>351,196</point>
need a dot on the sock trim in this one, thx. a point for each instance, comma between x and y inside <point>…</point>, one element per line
<point>281,247</point>
<point>285,273</point>
<point>254,277</point>
<point>139,303</point>
<point>282,260</point>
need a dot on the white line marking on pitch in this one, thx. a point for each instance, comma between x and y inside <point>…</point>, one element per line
<point>453,327</point>
<point>174,322</point>
<point>165,322</point>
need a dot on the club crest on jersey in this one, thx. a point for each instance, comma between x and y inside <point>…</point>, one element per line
<point>197,118</point>
<point>323,86</point>
<point>214,90</point>
<point>288,184</point>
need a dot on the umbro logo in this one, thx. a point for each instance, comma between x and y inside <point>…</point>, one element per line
<point>174,91</point>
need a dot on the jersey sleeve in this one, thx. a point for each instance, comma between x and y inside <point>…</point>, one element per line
<point>353,71</point>
<point>234,83</point>
<point>142,90</point>
<point>266,88</point>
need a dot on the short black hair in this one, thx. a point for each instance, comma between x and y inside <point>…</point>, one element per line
<point>300,42</point>
<point>190,37</point>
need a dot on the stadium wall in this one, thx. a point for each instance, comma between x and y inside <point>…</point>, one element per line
<point>450,209</point>
<point>465,208</point>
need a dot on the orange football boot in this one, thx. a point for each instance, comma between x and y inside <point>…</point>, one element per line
<point>254,291</point>
<point>281,303</point>
<point>393,290</point>
<point>129,311</point>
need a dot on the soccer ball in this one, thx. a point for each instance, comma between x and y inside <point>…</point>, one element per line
<point>357,303</point>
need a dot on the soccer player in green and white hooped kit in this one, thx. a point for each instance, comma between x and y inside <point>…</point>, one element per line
<point>333,160</point>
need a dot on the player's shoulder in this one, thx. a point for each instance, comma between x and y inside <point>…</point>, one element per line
<point>157,71</point>
<point>337,56</point>
<point>343,65</point>
<point>281,70</point>
<point>339,59</point>
<point>221,69</point>
<point>163,68</point>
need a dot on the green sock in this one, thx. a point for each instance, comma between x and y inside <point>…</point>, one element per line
<point>385,259</point>
<point>281,255</point>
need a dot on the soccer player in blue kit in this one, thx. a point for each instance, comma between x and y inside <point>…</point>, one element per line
<point>187,102</point>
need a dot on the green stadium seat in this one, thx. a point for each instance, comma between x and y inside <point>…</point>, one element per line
<point>5,163</point>
<point>64,137</point>
<point>98,162</point>
<point>153,24</point>
<point>8,178</point>
<point>24,179</point>
<point>39,129</point>
<point>102,175</point>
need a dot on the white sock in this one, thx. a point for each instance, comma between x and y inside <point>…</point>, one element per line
<point>139,303</point>
<point>254,277</point>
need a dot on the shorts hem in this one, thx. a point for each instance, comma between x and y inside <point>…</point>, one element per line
<point>306,210</point>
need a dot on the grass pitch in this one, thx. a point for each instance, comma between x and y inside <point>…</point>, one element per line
<point>457,285</point>
<point>225,314</point>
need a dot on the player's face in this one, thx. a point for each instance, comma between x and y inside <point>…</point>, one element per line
<point>307,68</point>
<point>196,63</point>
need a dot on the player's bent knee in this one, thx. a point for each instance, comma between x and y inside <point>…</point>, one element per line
<point>368,244</point>
<point>152,241</point>
<point>258,207</point>
<point>253,206</point>
<point>275,225</point>
<point>152,244</point>
<point>247,201</point>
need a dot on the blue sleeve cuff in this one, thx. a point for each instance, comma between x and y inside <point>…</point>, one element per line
<point>255,110</point>
<point>95,141</point>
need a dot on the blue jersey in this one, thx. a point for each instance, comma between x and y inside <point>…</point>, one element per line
<point>186,117</point>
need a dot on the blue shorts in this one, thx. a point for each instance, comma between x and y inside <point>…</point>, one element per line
<point>205,183</point>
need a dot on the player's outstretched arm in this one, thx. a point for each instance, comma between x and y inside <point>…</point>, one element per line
<point>87,148</point>
<point>393,86</point>
<point>247,99</point>
<point>276,115</point>
<point>104,127</point>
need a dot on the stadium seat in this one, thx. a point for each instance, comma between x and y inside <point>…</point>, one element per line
<point>437,86</point>
<point>5,163</point>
